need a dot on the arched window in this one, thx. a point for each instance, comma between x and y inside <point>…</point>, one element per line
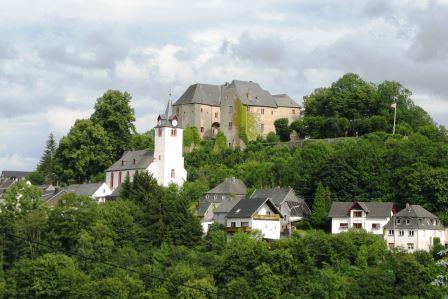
<point>111,180</point>
<point>119,178</point>
<point>173,173</point>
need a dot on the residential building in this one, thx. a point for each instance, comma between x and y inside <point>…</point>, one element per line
<point>413,228</point>
<point>251,214</point>
<point>292,207</point>
<point>166,163</point>
<point>370,216</point>
<point>9,177</point>
<point>213,108</point>
<point>97,191</point>
<point>220,199</point>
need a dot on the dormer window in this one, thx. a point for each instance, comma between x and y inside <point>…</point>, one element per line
<point>398,221</point>
<point>133,161</point>
<point>122,162</point>
<point>408,221</point>
<point>357,214</point>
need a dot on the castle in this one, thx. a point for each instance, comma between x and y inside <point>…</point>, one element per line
<point>236,108</point>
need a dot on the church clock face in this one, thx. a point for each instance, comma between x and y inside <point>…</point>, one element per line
<point>174,122</point>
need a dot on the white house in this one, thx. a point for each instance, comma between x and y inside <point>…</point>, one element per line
<point>292,207</point>
<point>413,228</point>
<point>220,199</point>
<point>370,216</point>
<point>255,214</point>
<point>166,163</point>
<point>97,191</point>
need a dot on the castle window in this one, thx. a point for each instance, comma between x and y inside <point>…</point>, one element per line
<point>159,132</point>
<point>173,173</point>
<point>272,112</point>
<point>262,111</point>
<point>202,129</point>
<point>160,157</point>
<point>230,109</point>
<point>230,125</point>
<point>202,110</point>
<point>262,127</point>
<point>293,111</point>
<point>216,114</point>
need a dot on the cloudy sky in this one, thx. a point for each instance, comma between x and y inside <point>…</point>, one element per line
<point>58,57</point>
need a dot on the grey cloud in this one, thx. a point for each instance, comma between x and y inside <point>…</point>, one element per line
<point>259,50</point>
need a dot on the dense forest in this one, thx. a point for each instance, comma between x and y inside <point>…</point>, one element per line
<point>149,244</point>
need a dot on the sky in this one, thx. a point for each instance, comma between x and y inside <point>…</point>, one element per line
<point>58,57</point>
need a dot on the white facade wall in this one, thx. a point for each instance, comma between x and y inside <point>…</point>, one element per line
<point>366,223</point>
<point>205,226</point>
<point>270,229</point>
<point>101,193</point>
<point>116,177</point>
<point>421,240</point>
<point>167,157</point>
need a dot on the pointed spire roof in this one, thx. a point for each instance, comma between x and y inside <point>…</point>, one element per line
<point>166,119</point>
<point>169,109</point>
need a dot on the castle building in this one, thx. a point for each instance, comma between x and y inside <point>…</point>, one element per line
<point>165,163</point>
<point>233,108</point>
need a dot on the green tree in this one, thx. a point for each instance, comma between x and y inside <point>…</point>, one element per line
<point>50,276</point>
<point>114,113</point>
<point>282,129</point>
<point>84,152</point>
<point>142,141</point>
<point>321,206</point>
<point>191,137</point>
<point>48,163</point>
<point>220,143</point>
<point>272,138</point>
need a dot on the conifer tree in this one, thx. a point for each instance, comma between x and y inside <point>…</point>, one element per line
<point>47,163</point>
<point>321,206</point>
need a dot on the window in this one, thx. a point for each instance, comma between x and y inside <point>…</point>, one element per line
<point>244,224</point>
<point>122,162</point>
<point>408,221</point>
<point>216,114</point>
<point>230,109</point>
<point>232,224</point>
<point>173,132</point>
<point>262,111</point>
<point>248,108</point>
<point>391,232</point>
<point>391,245</point>
<point>398,221</point>
<point>268,212</point>
<point>206,197</point>
<point>119,178</point>
<point>173,173</point>
<point>127,175</point>
<point>293,111</point>
<point>202,129</point>
<point>411,233</point>
<point>159,132</point>
<point>202,110</point>
<point>375,226</point>
<point>160,157</point>
<point>357,214</point>
<point>111,180</point>
<point>401,233</point>
<point>262,127</point>
<point>357,225</point>
<point>343,226</point>
<point>230,125</point>
<point>272,112</point>
<point>177,111</point>
<point>134,161</point>
<point>410,246</point>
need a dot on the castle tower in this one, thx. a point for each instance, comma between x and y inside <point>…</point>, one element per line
<point>168,166</point>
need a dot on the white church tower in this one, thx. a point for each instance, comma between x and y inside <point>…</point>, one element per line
<point>168,165</point>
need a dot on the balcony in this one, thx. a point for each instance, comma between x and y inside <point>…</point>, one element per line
<point>244,229</point>
<point>266,217</point>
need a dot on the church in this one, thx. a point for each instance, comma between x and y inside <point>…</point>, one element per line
<point>165,163</point>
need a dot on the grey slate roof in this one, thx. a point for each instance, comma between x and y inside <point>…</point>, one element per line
<point>277,195</point>
<point>414,217</point>
<point>202,208</point>
<point>14,174</point>
<point>199,93</point>
<point>142,160</point>
<point>373,209</point>
<point>251,94</point>
<point>84,189</point>
<point>165,120</point>
<point>230,186</point>
<point>226,206</point>
<point>247,207</point>
<point>284,100</point>
<point>115,194</point>
<point>298,209</point>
